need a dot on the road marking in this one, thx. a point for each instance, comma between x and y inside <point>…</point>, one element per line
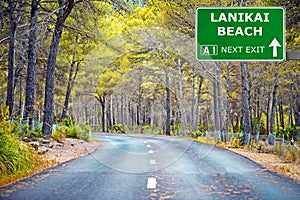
<point>148,145</point>
<point>151,151</point>
<point>145,142</point>
<point>152,162</point>
<point>151,184</point>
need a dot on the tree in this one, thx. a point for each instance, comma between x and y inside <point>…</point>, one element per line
<point>15,13</point>
<point>30,78</point>
<point>168,106</point>
<point>64,10</point>
<point>71,80</point>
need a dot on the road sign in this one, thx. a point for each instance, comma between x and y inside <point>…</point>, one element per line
<point>240,34</point>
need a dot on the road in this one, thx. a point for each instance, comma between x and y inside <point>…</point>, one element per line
<point>154,167</point>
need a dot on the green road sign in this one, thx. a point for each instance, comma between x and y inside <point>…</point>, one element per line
<point>240,34</point>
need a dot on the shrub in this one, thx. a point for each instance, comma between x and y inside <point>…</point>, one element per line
<point>16,158</point>
<point>67,122</point>
<point>237,141</point>
<point>288,132</point>
<point>84,132</point>
<point>56,135</point>
<point>117,128</point>
<point>74,131</point>
<point>197,134</point>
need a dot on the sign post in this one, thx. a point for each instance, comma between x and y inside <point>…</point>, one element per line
<point>240,34</point>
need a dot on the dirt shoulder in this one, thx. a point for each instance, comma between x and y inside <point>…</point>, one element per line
<point>272,162</point>
<point>69,149</point>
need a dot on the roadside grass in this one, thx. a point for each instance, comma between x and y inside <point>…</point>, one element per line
<point>289,155</point>
<point>286,152</point>
<point>73,131</point>
<point>17,158</point>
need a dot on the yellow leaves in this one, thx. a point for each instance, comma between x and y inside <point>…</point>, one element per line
<point>135,22</point>
<point>142,18</point>
<point>107,81</point>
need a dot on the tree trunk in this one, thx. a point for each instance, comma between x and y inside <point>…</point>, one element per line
<point>291,121</point>
<point>20,63</point>
<point>69,88</point>
<point>197,102</point>
<point>20,99</point>
<point>111,115</point>
<point>297,113</point>
<point>273,105</point>
<point>192,115</point>
<point>30,78</point>
<point>245,99</point>
<point>219,89</point>
<point>64,11</point>
<point>86,117</point>
<point>260,109</point>
<point>281,114</point>
<point>168,107</point>
<point>13,21</point>
<point>122,112</point>
<point>102,101</point>
<point>181,98</point>
<point>227,109</point>
<point>216,107</point>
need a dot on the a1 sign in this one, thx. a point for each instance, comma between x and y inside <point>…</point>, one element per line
<point>240,34</point>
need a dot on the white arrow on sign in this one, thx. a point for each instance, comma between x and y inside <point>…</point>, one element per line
<point>274,44</point>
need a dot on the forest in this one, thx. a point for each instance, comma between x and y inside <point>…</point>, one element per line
<point>129,66</point>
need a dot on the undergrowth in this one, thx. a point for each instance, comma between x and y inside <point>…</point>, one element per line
<point>17,160</point>
<point>287,152</point>
<point>70,130</point>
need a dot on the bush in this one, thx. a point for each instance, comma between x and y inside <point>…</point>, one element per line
<point>237,141</point>
<point>197,134</point>
<point>17,160</point>
<point>84,132</point>
<point>117,128</point>
<point>288,132</point>
<point>74,131</point>
<point>56,135</point>
<point>67,122</point>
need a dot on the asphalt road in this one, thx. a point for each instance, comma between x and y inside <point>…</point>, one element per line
<point>154,167</point>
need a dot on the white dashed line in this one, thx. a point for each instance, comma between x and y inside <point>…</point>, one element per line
<point>148,145</point>
<point>151,151</point>
<point>151,184</point>
<point>152,162</point>
<point>145,142</point>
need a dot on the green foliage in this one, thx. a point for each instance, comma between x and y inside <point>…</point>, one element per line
<point>56,135</point>
<point>197,134</point>
<point>67,122</point>
<point>84,132</point>
<point>200,131</point>
<point>13,154</point>
<point>288,132</point>
<point>24,130</point>
<point>5,123</point>
<point>117,128</point>
<point>74,131</point>
<point>16,158</point>
<point>237,141</point>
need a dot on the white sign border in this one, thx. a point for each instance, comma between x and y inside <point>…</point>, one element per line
<point>242,60</point>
